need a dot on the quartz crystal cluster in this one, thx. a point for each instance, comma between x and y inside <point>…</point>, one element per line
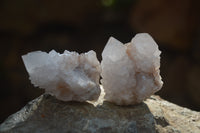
<point>68,76</point>
<point>130,72</point>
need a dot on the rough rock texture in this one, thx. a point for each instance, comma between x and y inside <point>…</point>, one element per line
<point>68,76</point>
<point>130,72</point>
<point>47,114</point>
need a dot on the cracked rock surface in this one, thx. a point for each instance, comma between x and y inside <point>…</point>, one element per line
<point>47,114</point>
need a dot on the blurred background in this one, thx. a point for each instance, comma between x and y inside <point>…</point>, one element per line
<point>82,25</point>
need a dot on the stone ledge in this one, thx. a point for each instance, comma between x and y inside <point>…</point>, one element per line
<point>47,114</point>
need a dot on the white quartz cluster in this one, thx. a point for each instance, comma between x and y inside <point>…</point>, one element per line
<point>68,76</point>
<point>130,72</point>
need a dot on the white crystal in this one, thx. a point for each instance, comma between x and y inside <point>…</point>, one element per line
<point>130,72</point>
<point>68,76</point>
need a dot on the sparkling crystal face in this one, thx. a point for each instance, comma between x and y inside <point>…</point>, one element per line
<point>68,76</point>
<point>130,72</point>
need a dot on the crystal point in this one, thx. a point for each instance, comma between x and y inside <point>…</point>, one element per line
<point>68,76</point>
<point>130,72</point>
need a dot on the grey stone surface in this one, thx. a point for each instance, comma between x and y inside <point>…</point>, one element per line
<point>47,114</point>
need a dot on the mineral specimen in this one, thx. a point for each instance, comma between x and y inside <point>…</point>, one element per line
<point>68,76</point>
<point>130,72</point>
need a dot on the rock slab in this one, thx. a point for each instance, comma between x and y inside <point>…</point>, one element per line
<point>47,114</point>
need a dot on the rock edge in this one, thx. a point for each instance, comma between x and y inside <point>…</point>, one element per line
<point>47,114</point>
